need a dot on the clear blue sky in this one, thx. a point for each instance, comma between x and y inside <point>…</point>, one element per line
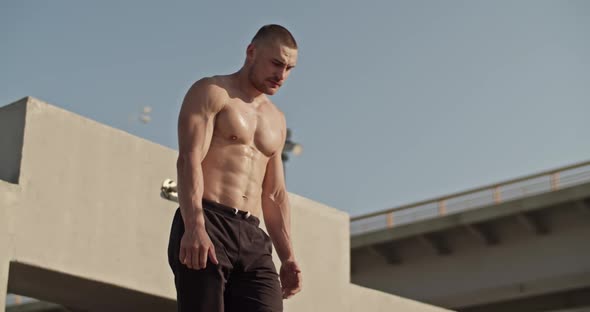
<point>393,101</point>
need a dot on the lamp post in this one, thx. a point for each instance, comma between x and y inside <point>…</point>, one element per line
<point>290,147</point>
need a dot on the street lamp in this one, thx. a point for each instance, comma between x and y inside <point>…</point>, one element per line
<point>290,147</point>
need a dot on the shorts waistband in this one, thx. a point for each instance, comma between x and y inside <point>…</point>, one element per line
<point>230,212</point>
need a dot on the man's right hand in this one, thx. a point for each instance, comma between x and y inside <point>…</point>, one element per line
<point>195,247</point>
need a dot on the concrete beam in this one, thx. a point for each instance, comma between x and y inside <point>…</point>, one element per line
<point>438,242</point>
<point>535,222</point>
<point>583,205</point>
<point>485,232</point>
<point>389,251</point>
<point>357,255</point>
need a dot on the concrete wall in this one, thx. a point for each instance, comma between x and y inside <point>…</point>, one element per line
<point>86,214</point>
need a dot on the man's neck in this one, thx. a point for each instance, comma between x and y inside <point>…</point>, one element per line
<point>245,86</point>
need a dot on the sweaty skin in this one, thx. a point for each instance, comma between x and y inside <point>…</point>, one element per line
<point>231,137</point>
<point>245,137</point>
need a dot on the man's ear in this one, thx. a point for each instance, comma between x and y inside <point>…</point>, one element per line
<point>250,51</point>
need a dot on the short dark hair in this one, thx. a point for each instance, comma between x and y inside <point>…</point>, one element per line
<point>275,32</point>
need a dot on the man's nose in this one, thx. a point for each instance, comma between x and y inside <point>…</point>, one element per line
<point>280,74</point>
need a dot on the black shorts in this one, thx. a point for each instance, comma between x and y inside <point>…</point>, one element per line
<point>245,278</point>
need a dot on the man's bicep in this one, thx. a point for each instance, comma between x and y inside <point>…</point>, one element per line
<point>274,178</point>
<point>273,185</point>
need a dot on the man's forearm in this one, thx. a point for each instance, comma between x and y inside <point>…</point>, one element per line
<point>277,218</point>
<point>190,193</point>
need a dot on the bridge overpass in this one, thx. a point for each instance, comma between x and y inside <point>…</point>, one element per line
<point>519,245</point>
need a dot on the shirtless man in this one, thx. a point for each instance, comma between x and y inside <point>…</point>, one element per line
<point>230,172</point>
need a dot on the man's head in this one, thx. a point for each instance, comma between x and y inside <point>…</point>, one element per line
<point>270,57</point>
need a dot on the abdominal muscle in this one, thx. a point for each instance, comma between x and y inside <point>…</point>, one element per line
<point>233,174</point>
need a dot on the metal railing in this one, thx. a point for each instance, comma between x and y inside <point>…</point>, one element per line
<point>543,182</point>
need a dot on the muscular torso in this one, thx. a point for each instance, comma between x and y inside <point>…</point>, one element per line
<point>245,136</point>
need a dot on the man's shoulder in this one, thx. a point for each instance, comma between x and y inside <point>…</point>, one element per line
<point>211,89</point>
<point>212,85</point>
<point>207,94</point>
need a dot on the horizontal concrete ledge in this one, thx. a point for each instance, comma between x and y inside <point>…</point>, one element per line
<point>57,287</point>
<point>477,215</point>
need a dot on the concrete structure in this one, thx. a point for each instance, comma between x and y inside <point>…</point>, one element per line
<point>521,253</point>
<point>82,223</point>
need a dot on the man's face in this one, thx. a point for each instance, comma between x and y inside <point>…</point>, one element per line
<point>271,65</point>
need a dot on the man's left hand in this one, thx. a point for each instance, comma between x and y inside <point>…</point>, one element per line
<point>290,278</point>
